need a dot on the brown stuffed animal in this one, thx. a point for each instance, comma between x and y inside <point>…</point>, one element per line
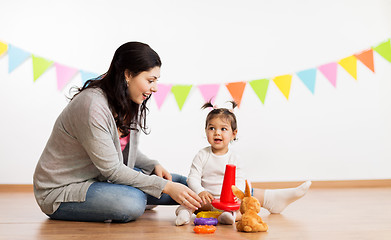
<point>249,207</point>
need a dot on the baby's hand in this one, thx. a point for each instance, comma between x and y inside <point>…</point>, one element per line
<point>206,197</point>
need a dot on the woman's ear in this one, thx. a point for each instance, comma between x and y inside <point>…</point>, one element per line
<point>236,191</point>
<point>127,74</point>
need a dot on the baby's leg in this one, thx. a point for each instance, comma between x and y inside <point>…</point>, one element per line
<point>238,216</point>
<point>276,200</point>
<point>227,217</point>
<point>183,215</point>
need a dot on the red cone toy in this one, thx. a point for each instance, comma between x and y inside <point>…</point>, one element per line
<point>227,201</point>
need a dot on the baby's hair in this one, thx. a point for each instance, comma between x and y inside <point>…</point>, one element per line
<point>223,113</point>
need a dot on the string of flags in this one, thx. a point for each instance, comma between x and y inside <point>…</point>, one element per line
<point>64,74</point>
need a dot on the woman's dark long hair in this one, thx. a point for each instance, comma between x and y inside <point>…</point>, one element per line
<point>135,57</point>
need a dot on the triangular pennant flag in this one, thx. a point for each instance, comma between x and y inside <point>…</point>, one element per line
<point>283,83</point>
<point>236,90</point>
<point>308,77</point>
<point>3,48</point>
<point>85,76</point>
<point>366,57</point>
<point>384,49</point>
<point>40,65</point>
<point>260,88</point>
<point>181,92</point>
<point>350,65</point>
<point>329,70</point>
<point>16,56</point>
<point>161,94</point>
<point>209,91</point>
<point>64,74</point>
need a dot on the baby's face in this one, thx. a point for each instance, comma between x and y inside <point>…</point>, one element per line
<point>219,134</point>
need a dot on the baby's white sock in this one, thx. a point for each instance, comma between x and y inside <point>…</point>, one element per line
<point>276,200</point>
<point>227,218</point>
<point>183,216</point>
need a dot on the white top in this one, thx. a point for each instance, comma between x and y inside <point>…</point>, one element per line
<point>207,171</point>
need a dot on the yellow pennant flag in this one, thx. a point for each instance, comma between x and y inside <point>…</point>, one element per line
<point>3,48</point>
<point>350,65</point>
<point>283,82</point>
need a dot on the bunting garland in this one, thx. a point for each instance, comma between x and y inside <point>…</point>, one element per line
<point>384,49</point>
<point>40,65</point>
<point>284,84</point>
<point>260,88</point>
<point>85,76</point>
<point>366,57</point>
<point>16,57</point>
<point>161,94</point>
<point>64,74</point>
<point>181,92</point>
<point>3,48</point>
<point>308,77</point>
<point>329,70</point>
<point>350,65</point>
<point>209,91</point>
<point>236,90</point>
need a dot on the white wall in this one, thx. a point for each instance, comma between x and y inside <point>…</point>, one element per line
<point>342,133</point>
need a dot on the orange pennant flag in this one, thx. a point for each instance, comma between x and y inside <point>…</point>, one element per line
<point>366,57</point>
<point>236,90</point>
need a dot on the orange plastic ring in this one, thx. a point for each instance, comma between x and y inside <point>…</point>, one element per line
<point>204,229</point>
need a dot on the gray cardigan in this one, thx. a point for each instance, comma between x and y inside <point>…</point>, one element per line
<point>84,148</point>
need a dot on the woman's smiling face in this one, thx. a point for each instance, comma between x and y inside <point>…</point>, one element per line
<point>143,85</point>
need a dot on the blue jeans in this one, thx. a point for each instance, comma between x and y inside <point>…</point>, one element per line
<point>115,202</point>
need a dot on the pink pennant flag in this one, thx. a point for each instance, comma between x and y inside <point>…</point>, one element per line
<point>329,70</point>
<point>161,94</point>
<point>64,75</point>
<point>209,91</point>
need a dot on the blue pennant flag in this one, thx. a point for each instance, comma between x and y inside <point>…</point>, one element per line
<point>16,57</point>
<point>308,77</point>
<point>85,76</point>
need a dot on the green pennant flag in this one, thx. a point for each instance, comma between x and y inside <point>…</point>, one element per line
<point>384,49</point>
<point>260,88</point>
<point>40,65</point>
<point>181,92</point>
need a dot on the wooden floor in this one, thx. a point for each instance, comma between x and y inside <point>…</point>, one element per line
<point>351,213</point>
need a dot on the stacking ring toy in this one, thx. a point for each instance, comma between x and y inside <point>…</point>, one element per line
<point>205,221</point>
<point>209,214</point>
<point>204,229</point>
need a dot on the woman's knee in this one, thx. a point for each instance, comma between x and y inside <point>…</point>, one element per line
<point>131,207</point>
<point>119,203</point>
<point>179,178</point>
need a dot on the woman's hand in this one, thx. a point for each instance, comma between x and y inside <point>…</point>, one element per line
<point>183,195</point>
<point>161,172</point>
<point>206,197</point>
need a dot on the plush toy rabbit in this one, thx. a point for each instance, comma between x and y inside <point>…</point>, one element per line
<point>249,207</point>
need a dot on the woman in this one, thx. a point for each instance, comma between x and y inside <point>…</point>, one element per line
<point>83,174</point>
